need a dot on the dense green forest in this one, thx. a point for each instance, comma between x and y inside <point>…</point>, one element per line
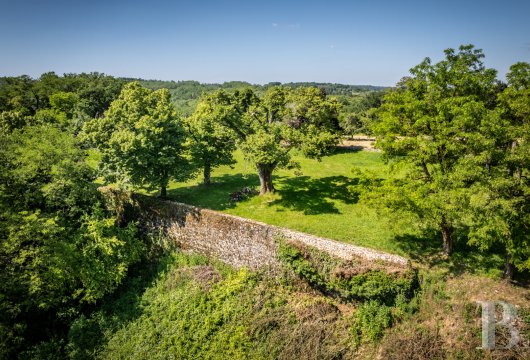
<point>455,137</point>
<point>193,89</point>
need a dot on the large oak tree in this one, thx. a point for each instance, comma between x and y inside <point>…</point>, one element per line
<point>269,128</point>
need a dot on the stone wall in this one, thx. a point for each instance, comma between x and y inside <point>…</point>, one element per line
<point>237,241</point>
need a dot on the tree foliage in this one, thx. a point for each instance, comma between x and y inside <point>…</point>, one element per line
<point>58,247</point>
<point>463,138</point>
<point>210,143</point>
<point>269,128</point>
<point>359,112</point>
<point>141,138</point>
<point>501,204</point>
<point>440,123</point>
<point>65,101</point>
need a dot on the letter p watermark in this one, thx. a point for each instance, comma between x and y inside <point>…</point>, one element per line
<point>489,322</point>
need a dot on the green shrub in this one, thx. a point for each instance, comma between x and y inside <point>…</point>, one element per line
<point>383,298</point>
<point>45,350</point>
<point>376,285</point>
<point>370,285</point>
<point>301,267</point>
<point>371,319</point>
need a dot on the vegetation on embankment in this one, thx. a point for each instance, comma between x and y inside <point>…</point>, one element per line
<point>192,307</point>
<point>314,199</point>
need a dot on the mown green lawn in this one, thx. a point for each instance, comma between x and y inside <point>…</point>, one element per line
<point>314,199</point>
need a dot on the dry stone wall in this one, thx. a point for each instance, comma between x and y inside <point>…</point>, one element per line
<point>237,241</point>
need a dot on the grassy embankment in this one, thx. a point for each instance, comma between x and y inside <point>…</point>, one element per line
<point>316,200</point>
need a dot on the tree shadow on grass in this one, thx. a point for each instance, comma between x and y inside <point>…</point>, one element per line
<point>426,250</point>
<point>302,193</point>
<point>313,195</point>
<point>346,149</point>
<point>215,196</point>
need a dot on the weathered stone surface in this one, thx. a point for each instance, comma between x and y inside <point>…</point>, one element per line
<point>237,241</point>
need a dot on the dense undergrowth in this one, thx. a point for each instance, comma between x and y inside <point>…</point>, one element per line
<point>189,307</point>
<point>348,280</point>
<point>381,297</point>
<point>185,306</point>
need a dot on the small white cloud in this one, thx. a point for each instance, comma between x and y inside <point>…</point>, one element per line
<point>332,46</point>
<point>286,26</point>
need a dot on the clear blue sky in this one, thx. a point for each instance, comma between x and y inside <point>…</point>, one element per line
<point>354,42</point>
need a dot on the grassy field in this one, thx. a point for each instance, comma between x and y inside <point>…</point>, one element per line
<point>314,199</point>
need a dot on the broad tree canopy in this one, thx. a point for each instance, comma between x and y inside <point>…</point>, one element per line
<point>141,138</point>
<point>211,144</point>
<point>441,125</point>
<point>284,119</point>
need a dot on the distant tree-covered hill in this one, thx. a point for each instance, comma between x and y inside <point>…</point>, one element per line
<point>335,89</point>
<point>193,89</point>
<point>186,93</point>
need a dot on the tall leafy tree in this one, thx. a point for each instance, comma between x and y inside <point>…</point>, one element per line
<point>96,92</point>
<point>501,203</point>
<point>269,128</point>
<point>141,138</point>
<point>58,247</point>
<point>439,124</point>
<point>61,112</point>
<point>211,143</point>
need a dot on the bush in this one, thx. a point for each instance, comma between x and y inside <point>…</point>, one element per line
<point>295,259</point>
<point>371,319</point>
<point>376,285</point>
<point>320,271</point>
<point>382,297</point>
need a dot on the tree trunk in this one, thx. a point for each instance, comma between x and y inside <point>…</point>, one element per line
<point>163,191</point>
<point>508,268</point>
<point>265,179</point>
<point>207,174</point>
<point>447,237</point>
<point>163,183</point>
